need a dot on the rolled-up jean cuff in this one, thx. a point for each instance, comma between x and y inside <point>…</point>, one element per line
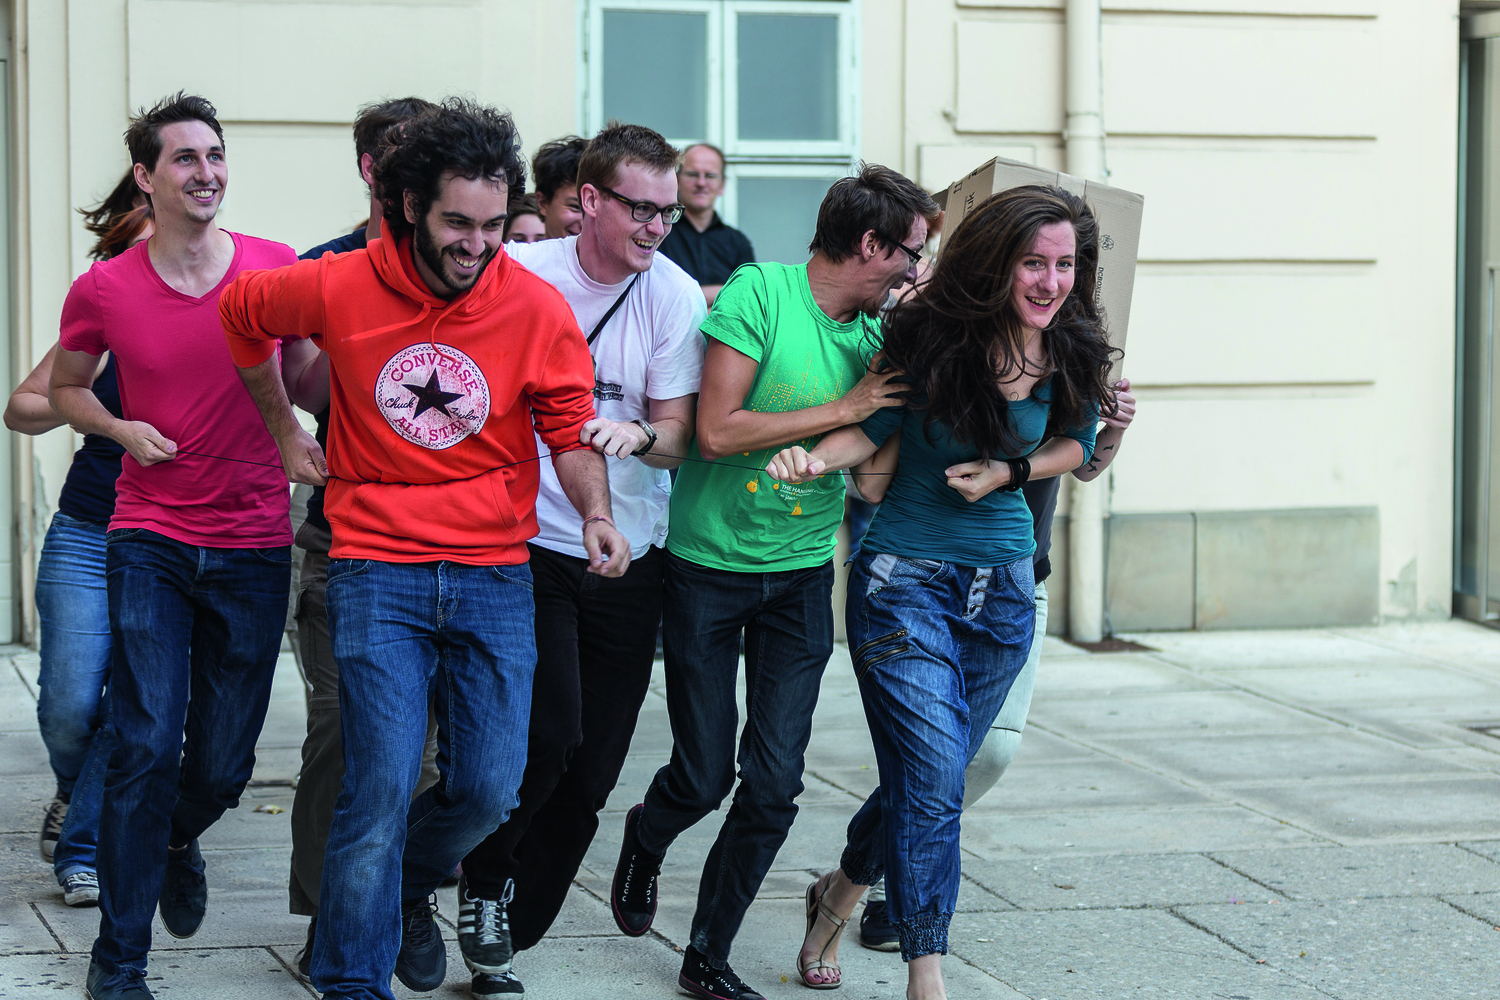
<point>858,869</point>
<point>923,934</point>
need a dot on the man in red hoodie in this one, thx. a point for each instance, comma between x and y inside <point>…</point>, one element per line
<point>447,360</point>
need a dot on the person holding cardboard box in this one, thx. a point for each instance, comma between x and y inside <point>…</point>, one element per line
<point>999,351</point>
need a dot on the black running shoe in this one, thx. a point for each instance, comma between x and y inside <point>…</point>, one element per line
<point>486,985</point>
<point>876,931</point>
<point>184,892</point>
<point>632,896</point>
<point>127,985</point>
<point>422,962</point>
<point>702,980</point>
<point>484,930</point>
<point>304,957</point>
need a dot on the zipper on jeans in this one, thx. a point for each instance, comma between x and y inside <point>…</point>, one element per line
<point>861,667</point>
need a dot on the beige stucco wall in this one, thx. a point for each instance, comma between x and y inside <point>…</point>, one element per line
<point>1291,338</point>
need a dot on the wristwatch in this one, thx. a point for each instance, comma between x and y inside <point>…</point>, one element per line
<point>650,437</point>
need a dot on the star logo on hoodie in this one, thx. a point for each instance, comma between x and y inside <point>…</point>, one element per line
<point>433,395</point>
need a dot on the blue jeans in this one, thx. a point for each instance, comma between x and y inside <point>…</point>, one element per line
<point>787,621</point>
<point>400,630</point>
<point>185,619</point>
<point>73,611</point>
<point>936,648</point>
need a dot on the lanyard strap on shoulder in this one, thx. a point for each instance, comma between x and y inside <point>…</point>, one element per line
<point>599,326</point>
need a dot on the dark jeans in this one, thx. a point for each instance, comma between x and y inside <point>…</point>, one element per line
<point>184,619</point>
<point>402,630</point>
<point>595,641</point>
<point>787,621</point>
<point>936,648</point>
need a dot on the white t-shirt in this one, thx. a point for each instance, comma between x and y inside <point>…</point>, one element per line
<point>651,348</point>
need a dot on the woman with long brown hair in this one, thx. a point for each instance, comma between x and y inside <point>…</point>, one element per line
<point>72,611</point>
<point>1007,358</point>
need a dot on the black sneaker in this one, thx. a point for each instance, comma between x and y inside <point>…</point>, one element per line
<point>875,929</point>
<point>81,888</point>
<point>184,892</point>
<point>700,979</point>
<point>422,962</point>
<point>304,957</point>
<point>52,824</point>
<point>632,895</point>
<point>486,985</point>
<point>484,930</point>
<point>131,985</point>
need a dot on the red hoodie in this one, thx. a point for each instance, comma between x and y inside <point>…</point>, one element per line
<point>433,401</point>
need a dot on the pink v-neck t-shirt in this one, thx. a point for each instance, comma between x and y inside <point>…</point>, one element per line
<point>176,374</point>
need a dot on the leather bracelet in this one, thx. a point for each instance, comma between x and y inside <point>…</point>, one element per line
<point>596,517</point>
<point>1020,471</point>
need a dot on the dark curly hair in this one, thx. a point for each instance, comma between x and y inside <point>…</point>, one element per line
<point>118,220</point>
<point>960,336</point>
<point>556,164</point>
<point>470,139</point>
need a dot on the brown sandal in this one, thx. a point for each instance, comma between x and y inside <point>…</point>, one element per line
<point>814,907</point>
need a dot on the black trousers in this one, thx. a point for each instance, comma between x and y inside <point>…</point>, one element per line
<point>595,640</point>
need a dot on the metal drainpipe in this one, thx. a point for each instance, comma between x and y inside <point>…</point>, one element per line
<point>1084,137</point>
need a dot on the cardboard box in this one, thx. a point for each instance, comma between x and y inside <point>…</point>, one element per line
<point>1118,211</point>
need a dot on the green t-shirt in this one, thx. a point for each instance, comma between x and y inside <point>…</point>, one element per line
<point>729,514</point>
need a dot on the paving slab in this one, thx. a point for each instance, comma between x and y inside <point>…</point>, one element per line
<point>1100,783</point>
<point>1333,873</point>
<point>1220,712</point>
<point>224,974</point>
<point>1049,883</point>
<point>1221,759</point>
<point>1422,949</point>
<point>1405,684</point>
<point>1060,955</point>
<point>22,754</point>
<point>1286,648</point>
<point>1121,673</point>
<point>1488,848</point>
<point>1484,906</point>
<point>1131,831</point>
<point>233,919</point>
<point>22,931</point>
<point>1428,808</point>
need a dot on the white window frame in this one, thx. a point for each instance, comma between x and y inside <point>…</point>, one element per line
<point>730,211</point>
<point>723,77</point>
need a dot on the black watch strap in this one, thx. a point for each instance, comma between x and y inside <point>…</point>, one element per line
<point>650,437</point>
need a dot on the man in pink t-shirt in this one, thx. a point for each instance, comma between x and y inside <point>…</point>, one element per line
<point>197,557</point>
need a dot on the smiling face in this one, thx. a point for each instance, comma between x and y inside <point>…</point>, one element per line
<point>1044,276</point>
<point>562,214</point>
<point>190,175</point>
<point>884,268</point>
<point>624,245</point>
<point>460,234</point>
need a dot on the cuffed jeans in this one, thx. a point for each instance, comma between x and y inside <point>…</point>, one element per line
<point>596,640</point>
<point>936,650</point>
<point>787,621</point>
<point>196,632</point>
<point>465,633</point>
<point>72,604</point>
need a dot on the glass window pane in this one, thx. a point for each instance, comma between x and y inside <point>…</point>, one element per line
<point>788,76</point>
<point>656,71</point>
<point>779,214</point>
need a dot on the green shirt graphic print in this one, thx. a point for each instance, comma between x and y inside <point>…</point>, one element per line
<point>730,514</point>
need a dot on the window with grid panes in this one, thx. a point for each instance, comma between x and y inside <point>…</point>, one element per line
<point>774,83</point>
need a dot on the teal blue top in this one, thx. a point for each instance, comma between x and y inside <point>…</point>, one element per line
<point>922,517</point>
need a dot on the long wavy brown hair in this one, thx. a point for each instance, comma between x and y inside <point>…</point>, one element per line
<point>118,219</point>
<point>959,337</point>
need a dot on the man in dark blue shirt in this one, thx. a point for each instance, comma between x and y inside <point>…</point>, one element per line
<point>705,247</point>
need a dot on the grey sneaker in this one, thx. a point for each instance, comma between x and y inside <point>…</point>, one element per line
<point>81,888</point>
<point>52,822</point>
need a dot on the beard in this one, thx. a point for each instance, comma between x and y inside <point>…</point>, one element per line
<point>435,257</point>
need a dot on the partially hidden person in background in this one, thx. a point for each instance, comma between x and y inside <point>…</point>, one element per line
<point>1002,343</point>
<point>704,245</point>
<point>71,601</point>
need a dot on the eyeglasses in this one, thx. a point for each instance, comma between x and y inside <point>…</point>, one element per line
<point>700,175</point>
<point>645,211</point>
<point>915,255</point>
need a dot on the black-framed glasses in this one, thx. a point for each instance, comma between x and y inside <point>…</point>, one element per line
<point>915,255</point>
<point>645,211</point>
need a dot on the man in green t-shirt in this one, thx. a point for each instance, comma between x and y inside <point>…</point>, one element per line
<point>788,359</point>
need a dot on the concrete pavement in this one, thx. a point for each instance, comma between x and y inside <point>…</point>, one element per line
<point>1235,815</point>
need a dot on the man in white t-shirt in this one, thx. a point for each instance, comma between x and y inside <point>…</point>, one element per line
<point>641,314</point>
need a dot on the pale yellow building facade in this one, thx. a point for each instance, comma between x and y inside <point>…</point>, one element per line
<point>1292,339</point>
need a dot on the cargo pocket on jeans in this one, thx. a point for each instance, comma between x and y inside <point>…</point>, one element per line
<point>882,647</point>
